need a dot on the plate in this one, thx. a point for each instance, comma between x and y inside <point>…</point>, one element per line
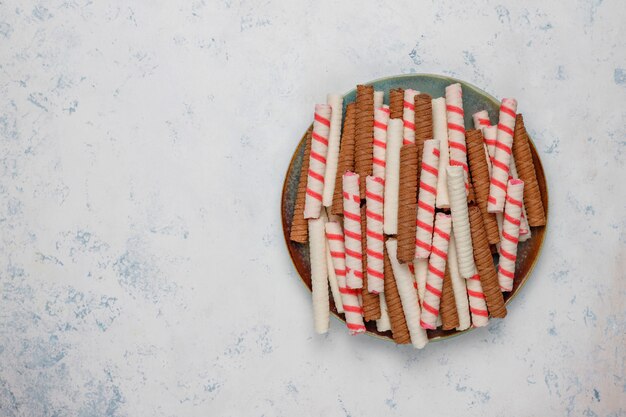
<point>474,100</point>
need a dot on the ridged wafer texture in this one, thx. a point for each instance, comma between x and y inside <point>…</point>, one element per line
<point>527,173</point>
<point>479,171</point>
<point>407,203</point>
<point>449,315</point>
<point>502,156</point>
<point>396,103</point>
<point>299,227</point>
<point>364,139</point>
<point>484,265</point>
<point>513,209</point>
<point>399,328</point>
<point>371,302</point>
<point>346,157</point>
<point>423,118</point>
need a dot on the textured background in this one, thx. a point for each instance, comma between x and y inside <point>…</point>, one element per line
<point>142,268</point>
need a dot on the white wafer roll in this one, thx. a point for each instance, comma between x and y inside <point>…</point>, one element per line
<point>420,266</point>
<point>502,156</point>
<point>481,119</point>
<point>408,296</point>
<point>456,129</point>
<point>375,240</point>
<point>426,198</point>
<point>383,324</point>
<point>334,137</point>
<point>478,306</point>
<point>378,99</point>
<point>510,234</point>
<point>352,230</point>
<point>381,119</point>
<point>332,281</point>
<point>392,175</point>
<point>458,287</point>
<point>350,298</point>
<point>317,162</point>
<point>460,220</point>
<point>436,271</point>
<point>440,132</point>
<point>319,275</point>
<point>524,228</point>
<point>408,116</point>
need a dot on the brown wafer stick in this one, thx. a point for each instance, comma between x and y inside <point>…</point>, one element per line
<point>526,171</point>
<point>423,117</point>
<point>371,302</point>
<point>399,328</point>
<point>449,316</point>
<point>396,103</point>
<point>485,266</point>
<point>346,157</point>
<point>299,226</point>
<point>364,139</point>
<point>407,203</point>
<point>480,181</point>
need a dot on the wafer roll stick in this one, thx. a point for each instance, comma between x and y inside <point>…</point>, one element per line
<point>375,238</point>
<point>485,266</point>
<point>317,162</point>
<point>456,129</point>
<point>481,119</point>
<point>423,117</point>
<point>408,116</point>
<point>408,295</point>
<point>436,271</point>
<point>319,275</point>
<point>407,203</point>
<point>440,133</point>
<point>420,269</point>
<point>381,118</point>
<point>364,139</point>
<point>426,198</point>
<point>378,99</point>
<point>524,228</point>
<point>346,157</point>
<point>299,226</point>
<point>458,286</point>
<point>350,299</point>
<point>332,281</point>
<point>480,181</point>
<point>397,320</point>
<point>383,323</point>
<point>335,101</point>
<point>510,234</point>
<point>392,175</point>
<point>352,230</point>
<point>460,221</point>
<point>449,316</point>
<point>477,304</point>
<point>502,156</point>
<point>370,300</point>
<point>396,103</point>
<point>490,133</point>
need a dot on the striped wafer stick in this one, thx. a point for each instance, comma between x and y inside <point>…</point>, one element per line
<point>440,132</point>
<point>392,175</point>
<point>408,295</point>
<point>477,304</point>
<point>378,99</point>
<point>350,299</point>
<point>375,239</point>
<point>489,136</point>
<point>319,275</point>
<point>459,287</point>
<point>436,271</point>
<point>369,300</point>
<point>332,281</point>
<point>456,129</point>
<point>502,156</point>
<point>381,118</point>
<point>317,162</point>
<point>510,234</point>
<point>408,116</point>
<point>524,228</point>
<point>335,101</point>
<point>352,230</point>
<point>481,119</point>
<point>426,198</point>
<point>420,269</point>
<point>460,220</point>
<point>383,323</point>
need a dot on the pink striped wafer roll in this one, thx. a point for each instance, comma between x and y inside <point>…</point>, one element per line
<point>426,198</point>
<point>477,304</point>
<point>381,117</point>
<point>374,189</point>
<point>456,129</point>
<point>440,132</point>
<point>420,270</point>
<point>481,119</point>
<point>436,271</point>
<point>502,156</point>
<point>524,228</point>
<point>510,234</point>
<point>352,230</point>
<point>317,162</point>
<point>350,298</point>
<point>490,133</point>
<point>408,116</point>
<point>335,101</point>
<point>459,286</point>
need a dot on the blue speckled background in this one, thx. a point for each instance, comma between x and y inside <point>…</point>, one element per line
<point>142,268</point>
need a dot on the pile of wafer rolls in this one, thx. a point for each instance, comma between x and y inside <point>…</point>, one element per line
<point>403,208</point>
